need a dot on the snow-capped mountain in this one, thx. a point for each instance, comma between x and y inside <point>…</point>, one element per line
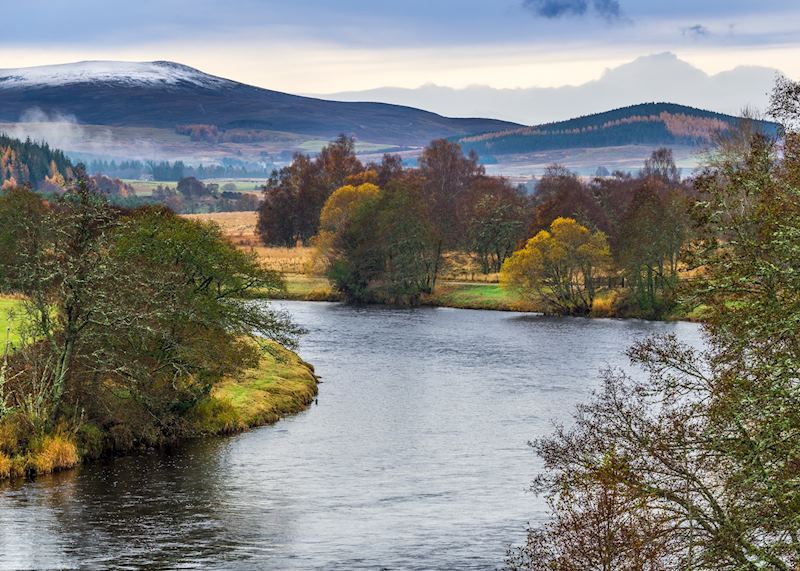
<point>165,94</point>
<point>128,73</point>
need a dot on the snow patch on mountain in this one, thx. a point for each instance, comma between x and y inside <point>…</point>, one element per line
<point>125,73</point>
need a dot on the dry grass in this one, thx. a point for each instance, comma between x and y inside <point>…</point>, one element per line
<point>57,452</point>
<point>240,229</point>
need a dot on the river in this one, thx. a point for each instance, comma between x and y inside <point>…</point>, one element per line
<point>414,457</point>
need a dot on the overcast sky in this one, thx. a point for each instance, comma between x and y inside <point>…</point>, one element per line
<point>322,46</point>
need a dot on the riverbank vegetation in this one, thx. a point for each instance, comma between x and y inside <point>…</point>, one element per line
<point>125,323</point>
<point>385,233</point>
<point>694,464</point>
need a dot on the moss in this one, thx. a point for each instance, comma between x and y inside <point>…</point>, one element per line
<point>91,440</point>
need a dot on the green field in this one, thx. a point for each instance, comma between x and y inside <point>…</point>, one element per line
<point>478,296</point>
<point>7,323</point>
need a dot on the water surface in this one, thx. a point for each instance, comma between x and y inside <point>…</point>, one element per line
<point>415,456</point>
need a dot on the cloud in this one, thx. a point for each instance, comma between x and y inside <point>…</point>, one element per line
<point>65,132</point>
<point>551,9</point>
<point>696,31</point>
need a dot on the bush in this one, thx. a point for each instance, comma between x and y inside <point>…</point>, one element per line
<point>55,452</point>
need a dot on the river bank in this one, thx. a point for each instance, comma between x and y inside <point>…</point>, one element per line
<point>281,385</point>
<point>461,294</point>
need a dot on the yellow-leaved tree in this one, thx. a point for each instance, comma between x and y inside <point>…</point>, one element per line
<point>336,213</point>
<point>559,267</point>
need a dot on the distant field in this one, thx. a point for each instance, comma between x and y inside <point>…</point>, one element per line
<point>146,187</point>
<point>315,146</point>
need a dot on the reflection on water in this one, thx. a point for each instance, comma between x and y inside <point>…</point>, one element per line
<point>415,457</point>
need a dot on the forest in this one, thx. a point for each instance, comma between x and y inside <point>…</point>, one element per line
<point>661,124</point>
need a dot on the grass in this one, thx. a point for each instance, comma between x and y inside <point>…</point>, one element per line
<point>283,384</point>
<point>478,296</point>
<point>7,329</point>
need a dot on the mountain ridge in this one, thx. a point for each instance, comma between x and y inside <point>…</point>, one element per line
<point>662,76</point>
<point>654,123</point>
<point>165,95</point>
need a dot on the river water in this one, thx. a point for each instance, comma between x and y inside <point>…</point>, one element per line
<point>415,456</point>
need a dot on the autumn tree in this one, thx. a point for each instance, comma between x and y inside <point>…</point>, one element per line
<point>447,174</point>
<point>143,304</point>
<point>560,193</point>
<point>496,216</point>
<point>295,195</point>
<point>559,267</point>
<point>705,444</point>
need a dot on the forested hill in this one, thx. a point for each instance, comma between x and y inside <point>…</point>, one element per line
<point>661,124</point>
<point>31,163</point>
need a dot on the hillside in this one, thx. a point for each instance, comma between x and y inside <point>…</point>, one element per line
<point>651,124</point>
<point>31,163</point>
<point>168,95</point>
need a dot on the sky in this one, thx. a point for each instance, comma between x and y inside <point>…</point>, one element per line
<point>325,46</point>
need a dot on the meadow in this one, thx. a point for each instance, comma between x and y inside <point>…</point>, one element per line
<point>461,285</point>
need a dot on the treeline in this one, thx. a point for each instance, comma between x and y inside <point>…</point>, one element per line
<point>694,464</point>
<point>167,171</point>
<point>31,163</point>
<point>643,222</point>
<point>383,232</point>
<point>127,319</point>
<point>192,195</point>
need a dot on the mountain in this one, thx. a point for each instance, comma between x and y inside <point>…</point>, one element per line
<point>647,124</point>
<point>660,77</point>
<point>164,95</point>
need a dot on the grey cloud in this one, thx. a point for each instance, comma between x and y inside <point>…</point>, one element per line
<point>550,9</point>
<point>696,31</point>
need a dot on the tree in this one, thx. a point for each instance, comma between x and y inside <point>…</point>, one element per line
<point>707,443</point>
<point>376,245</point>
<point>447,174</point>
<point>560,193</point>
<point>143,304</point>
<point>295,195</point>
<point>559,267</point>
<point>652,233</point>
<point>661,166</point>
<point>496,214</point>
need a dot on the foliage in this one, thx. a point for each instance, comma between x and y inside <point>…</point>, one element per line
<point>135,315</point>
<point>560,266</point>
<point>295,195</point>
<point>496,219</point>
<point>701,455</point>
<point>31,163</point>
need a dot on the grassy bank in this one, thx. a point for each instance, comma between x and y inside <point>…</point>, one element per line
<point>282,385</point>
<point>7,329</point>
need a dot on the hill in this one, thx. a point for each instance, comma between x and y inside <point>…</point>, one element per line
<point>169,95</point>
<point>650,124</point>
